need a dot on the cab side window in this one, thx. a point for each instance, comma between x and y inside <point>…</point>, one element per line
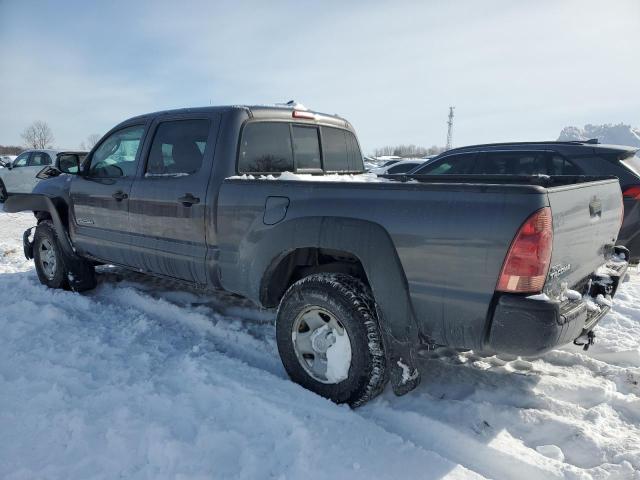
<point>178,147</point>
<point>117,155</point>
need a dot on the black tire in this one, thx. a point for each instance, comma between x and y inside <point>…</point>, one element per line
<point>3,192</point>
<point>46,247</point>
<point>46,234</point>
<point>352,304</point>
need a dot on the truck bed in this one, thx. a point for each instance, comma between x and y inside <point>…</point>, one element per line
<point>448,234</point>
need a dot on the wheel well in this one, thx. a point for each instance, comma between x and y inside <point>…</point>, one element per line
<point>303,262</point>
<point>62,210</point>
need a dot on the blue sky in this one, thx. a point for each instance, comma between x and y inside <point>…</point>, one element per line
<point>515,70</point>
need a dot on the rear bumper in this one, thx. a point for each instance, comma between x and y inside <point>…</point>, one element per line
<point>526,326</point>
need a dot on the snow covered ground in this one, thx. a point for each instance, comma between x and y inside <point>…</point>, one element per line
<point>140,379</point>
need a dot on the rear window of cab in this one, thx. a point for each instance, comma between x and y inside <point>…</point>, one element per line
<point>276,147</point>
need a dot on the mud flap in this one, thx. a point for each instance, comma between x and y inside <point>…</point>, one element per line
<point>80,274</point>
<point>27,244</point>
<point>404,377</point>
<point>402,369</point>
<point>404,374</point>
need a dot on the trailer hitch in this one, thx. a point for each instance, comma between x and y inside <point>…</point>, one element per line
<point>585,340</point>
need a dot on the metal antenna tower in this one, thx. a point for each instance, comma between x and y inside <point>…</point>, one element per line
<point>450,128</point>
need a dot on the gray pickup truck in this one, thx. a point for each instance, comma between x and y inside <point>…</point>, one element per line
<point>366,272</point>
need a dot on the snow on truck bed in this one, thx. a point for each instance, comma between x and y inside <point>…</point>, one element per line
<point>140,379</point>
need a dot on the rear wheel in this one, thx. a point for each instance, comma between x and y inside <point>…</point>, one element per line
<point>329,340</point>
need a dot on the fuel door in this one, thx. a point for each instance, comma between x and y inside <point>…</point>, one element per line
<point>275,209</point>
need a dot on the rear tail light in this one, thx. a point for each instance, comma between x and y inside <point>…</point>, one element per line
<point>526,266</point>
<point>632,192</point>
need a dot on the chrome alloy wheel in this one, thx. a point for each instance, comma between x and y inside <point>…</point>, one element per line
<point>48,260</point>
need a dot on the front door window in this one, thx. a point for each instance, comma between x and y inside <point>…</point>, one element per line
<point>117,156</point>
<point>21,161</point>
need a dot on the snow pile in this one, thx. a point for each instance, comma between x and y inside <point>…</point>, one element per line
<point>142,379</point>
<point>609,134</point>
<point>338,357</point>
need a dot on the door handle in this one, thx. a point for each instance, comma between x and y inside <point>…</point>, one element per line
<point>120,195</point>
<point>188,200</point>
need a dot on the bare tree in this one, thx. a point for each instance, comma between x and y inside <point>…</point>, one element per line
<point>407,151</point>
<point>91,141</point>
<point>38,135</point>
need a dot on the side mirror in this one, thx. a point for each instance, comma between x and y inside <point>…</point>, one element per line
<point>68,163</point>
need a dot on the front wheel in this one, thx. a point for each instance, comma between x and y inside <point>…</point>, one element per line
<point>56,269</point>
<point>48,257</point>
<point>329,340</point>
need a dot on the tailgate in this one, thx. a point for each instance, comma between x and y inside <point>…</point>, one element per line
<point>586,221</point>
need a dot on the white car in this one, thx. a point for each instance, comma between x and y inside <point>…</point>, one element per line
<point>5,159</point>
<point>399,167</point>
<point>19,176</point>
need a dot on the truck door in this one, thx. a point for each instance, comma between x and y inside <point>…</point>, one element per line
<point>100,197</point>
<point>168,202</point>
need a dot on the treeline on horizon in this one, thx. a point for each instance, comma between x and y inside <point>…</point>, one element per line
<point>408,151</point>
<point>10,150</point>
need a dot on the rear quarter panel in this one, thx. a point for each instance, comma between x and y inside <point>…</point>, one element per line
<point>449,240</point>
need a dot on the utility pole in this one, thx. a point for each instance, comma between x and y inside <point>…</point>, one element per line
<point>450,128</point>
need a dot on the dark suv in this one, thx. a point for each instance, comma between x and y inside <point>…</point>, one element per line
<point>553,158</point>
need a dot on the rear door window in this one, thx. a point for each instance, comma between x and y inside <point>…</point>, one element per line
<point>266,148</point>
<point>306,148</point>
<point>39,159</point>
<point>178,147</point>
<point>461,164</point>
